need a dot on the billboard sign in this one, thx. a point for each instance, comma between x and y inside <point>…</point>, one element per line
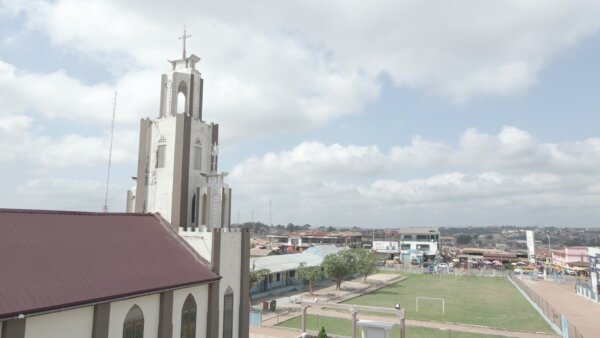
<point>530,246</point>
<point>385,246</point>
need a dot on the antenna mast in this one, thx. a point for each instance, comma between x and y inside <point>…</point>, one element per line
<point>112,132</point>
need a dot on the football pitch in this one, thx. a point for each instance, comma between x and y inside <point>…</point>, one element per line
<point>487,301</point>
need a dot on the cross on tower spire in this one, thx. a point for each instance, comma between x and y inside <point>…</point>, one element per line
<point>183,37</point>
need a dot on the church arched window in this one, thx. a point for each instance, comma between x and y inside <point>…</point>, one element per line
<point>188,318</point>
<point>228,313</point>
<point>161,152</point>
<point>133,327</point>
<point>198,156</point>
<point>204,208</point>
<point>194,209</point>
<point>182,97</point>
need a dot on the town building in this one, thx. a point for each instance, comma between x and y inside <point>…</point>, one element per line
<point>570,257</point>
<point>591,290</point>
<point>419,244</point>
<point>594,269</point>
<point>262,251</point>
<point>283,269</point>
<point>414,245</point>
<point>447,241</point>
<point>300,241</point>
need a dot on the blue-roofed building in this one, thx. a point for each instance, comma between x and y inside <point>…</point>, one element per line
<point>284,276</point>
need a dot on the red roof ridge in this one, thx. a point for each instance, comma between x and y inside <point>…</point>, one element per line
<point>71,212</point>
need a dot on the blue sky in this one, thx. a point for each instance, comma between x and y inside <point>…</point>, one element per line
<point>404,114</point>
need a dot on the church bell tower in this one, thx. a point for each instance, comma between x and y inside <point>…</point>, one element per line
<point>177,173</point>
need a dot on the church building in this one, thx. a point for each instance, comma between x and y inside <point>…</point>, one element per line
<point>172,266</point>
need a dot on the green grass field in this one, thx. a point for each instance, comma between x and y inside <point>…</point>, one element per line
<point>487,301</point>
<point>343,327</point>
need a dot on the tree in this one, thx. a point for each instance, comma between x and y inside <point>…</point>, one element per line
<point>338,266</point>
<point>322,333</point>
<point>309,274</point>
<point>365,262</point>
<point>463,239</point>
<point>257,276</point>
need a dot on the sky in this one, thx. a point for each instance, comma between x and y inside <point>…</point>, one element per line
<point>344,113</point>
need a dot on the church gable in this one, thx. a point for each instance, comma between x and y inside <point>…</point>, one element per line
<point>59,259</point>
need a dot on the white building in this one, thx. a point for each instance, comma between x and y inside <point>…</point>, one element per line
<point>177,173</point>
<point>178,178</point>
<point>174,268</point>
<point>419,244</point>
<point>414,244</point>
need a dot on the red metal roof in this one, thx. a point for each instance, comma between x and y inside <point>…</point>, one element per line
<point>57,259</point>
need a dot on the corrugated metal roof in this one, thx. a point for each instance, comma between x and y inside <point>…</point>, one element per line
<point>324,250</point>
<point>281,263</point>
<point>418,231</point>
<point>55,259</point>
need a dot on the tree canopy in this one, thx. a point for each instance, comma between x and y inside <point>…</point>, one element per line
<point>339,266</point>
<point>309,274</point>
<point>365,262</point>
<point>258,275</point>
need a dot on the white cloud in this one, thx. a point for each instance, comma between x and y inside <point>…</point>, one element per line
<point>492,173</point>
<point>272,67</point>
<point>22,141</point>
<point>53,95</point>
<point>61,193</point>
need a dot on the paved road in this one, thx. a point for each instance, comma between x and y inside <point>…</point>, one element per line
<point>579,311</point>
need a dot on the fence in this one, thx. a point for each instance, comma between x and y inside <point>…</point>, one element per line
<point>458,272</point>
<point>551,314</point>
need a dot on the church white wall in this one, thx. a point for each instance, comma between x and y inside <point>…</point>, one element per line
<point>200,294</point>
<point>160,180</point>
<point>200,135</point>
<point>230,269</point>
<point>77,322</point>
<point>201,242</point>
<point>148,304</point>
<point>231,265</point>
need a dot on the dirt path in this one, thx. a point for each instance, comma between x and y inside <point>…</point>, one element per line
<point>579,311</point>
<point>271,332</point>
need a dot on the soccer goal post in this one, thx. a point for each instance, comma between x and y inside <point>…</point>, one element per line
<point>434,299</point>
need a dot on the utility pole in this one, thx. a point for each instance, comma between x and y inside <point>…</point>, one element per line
<point>373,240</point>
<point>112,132</point>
